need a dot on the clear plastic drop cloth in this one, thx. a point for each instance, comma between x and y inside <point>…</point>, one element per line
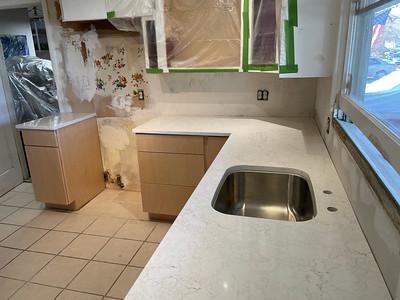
<point>126,13</point>
<point>202,34</point>
<point>263,32</point>
<point>32,86</point>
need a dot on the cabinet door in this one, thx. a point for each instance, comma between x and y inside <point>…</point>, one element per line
<point>203,34</point>
<point>47,175</point>
<point>164,199</point>
<point>78,10</point>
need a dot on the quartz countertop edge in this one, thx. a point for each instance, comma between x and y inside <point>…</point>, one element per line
<point>55,122</point>
<point>210,255</point>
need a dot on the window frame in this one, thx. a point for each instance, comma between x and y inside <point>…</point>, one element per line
<point>387,142</point>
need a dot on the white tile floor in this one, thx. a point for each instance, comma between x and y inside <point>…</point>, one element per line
<point>94,253</point>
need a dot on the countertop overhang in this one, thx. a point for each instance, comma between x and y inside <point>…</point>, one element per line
<point>209,255</point>
<point>55,122</point>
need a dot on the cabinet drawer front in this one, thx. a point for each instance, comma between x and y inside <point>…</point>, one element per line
<point>170,143</point>
<point>40,138</point>
<point>165,199</point>
<point>47,176</point>
<point>175,169</point>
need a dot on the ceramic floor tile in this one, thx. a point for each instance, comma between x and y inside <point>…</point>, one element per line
<point>23,238</point>
<point>18,199</point>
<point>53,242</point>
<point>85,246</point>
<point>143,255</point>
<point>124,283</point>
<point>159,232</point>
<point>26,265</point>
<point>48,219</point>
<point>6,230</point>
<point>136,230</point>
<point>72,295</point>
<point>6,211</point>
<point>7,255</point>
<point>60,271</point>
<point>34,291</point>
<point>8,287</point>
<point>75,223</point>
<point>96,278</point>
<point>24,187</point>
<point>36,205</point>
<point>118,251</point>
<point>105,226</point>
<point>21,216</point>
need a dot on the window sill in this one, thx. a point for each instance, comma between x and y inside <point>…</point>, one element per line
<point>383,178</point>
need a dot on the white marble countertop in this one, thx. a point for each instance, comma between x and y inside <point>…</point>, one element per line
<point>55,122</point>
<point>209,255</point>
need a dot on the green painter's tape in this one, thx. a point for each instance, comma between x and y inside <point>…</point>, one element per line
<point>202,70</point>
<point>245,36</point>
<point>110,14</point>
<point>289,25</point>
<point>288,69</point>
<point>154,71</point>
<point>263,68</point>
<point>293,12</point>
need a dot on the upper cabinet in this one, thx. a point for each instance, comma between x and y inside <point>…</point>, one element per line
<point>77,10</point>
<point>295,38</point>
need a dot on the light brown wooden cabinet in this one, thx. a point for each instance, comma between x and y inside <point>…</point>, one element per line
<point>171,166</point>
<point>65,164</point>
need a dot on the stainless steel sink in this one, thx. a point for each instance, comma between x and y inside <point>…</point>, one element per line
<point>280,195</point>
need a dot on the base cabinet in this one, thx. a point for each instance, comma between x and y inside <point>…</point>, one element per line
<point>65,164</point>
<point>171,166</point>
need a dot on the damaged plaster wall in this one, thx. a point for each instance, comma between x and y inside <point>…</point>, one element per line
<point>114,63</point>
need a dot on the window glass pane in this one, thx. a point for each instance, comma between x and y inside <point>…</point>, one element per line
<point>375,64</point>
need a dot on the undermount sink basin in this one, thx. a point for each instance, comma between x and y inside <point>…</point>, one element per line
<point>280,195</point>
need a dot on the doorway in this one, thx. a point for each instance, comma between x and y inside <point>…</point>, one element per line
<point>28,90</point>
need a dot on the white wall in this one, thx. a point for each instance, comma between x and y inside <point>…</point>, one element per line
<point>16,22</point>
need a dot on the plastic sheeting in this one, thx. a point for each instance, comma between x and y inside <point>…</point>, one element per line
<point>202,34</point>
<point>125,12</point>
<point>263,32</point>
<point>33,88</point>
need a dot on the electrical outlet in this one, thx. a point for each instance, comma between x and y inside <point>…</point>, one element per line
<point>140,95</point>
<point>259,95</point>
<point>265,94</point>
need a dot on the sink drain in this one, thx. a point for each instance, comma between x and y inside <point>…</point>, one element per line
<point>332,209</point>
<point>328,192</point>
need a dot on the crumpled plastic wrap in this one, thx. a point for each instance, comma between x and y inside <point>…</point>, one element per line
<point>126,13</point>
<point>33,87</point>
<point>202,34</point>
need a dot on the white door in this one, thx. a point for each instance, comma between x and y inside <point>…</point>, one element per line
<point>10,168</point>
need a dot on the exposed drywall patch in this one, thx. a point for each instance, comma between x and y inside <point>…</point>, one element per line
<point>114,138</point>
<point>79,62</point>
<point>118,149</point>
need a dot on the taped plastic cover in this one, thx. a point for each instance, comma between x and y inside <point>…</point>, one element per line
<point>263,32</point>
<point>33,88</point>
<point>123,14</point>
<point>202,34</point>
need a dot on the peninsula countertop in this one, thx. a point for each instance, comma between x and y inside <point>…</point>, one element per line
<point>210,255</point>
<point>55,121</point>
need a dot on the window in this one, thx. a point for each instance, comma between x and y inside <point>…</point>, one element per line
<point>371,94</point>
